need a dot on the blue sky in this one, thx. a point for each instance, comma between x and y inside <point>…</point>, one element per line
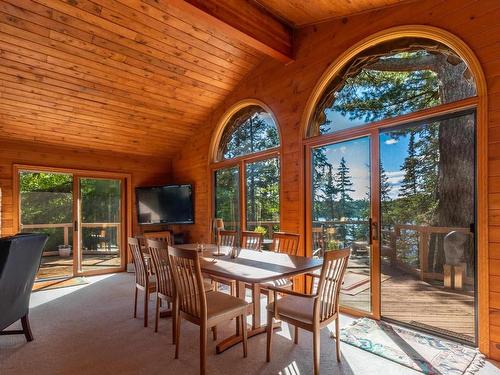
<point>392,155</point>
<point>356,152</point>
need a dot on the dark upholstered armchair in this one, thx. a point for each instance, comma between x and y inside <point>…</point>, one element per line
<point>20,258</point>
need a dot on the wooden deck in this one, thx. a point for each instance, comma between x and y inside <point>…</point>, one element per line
<point>410,300</point>
<point>55,266</point>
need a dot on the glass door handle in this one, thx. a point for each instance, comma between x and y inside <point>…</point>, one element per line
<point>373,231</point>
<point>76,226</point>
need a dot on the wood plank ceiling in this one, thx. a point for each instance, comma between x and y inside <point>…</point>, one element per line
<point>131,76</point>
<point>305,12</point>
<point>134,76</point>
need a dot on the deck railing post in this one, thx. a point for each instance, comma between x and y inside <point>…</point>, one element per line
<point>66,236</point>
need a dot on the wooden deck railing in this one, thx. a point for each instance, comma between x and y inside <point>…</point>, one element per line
<point>423,234</point>
<point>67,227</point>
<point>268,225</point>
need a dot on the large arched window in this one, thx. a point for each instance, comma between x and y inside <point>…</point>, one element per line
<point>246,171</point>
<point>391,143</point>
<point>391,79</point>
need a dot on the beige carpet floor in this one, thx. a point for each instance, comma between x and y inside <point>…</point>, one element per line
<point>89,329</point>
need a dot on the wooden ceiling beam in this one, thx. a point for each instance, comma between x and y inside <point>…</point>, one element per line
<point>244,21</point>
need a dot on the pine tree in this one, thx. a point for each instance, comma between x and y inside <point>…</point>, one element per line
<point>409,186</point>
<point>323,188</point>
<point>343,187</point>
<point>385,185</point>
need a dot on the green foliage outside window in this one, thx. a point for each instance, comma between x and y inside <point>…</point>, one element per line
<point>437,185</point>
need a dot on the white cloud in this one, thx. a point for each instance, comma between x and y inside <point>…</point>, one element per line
<point>395,177</point>
<point>391,141</point>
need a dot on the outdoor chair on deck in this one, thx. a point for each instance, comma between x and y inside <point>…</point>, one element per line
<point>312,312</point>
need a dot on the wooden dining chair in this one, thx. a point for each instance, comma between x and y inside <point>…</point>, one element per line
<point>252,240</point>
<point>200,308</point>
<point>142,241</point>
<point>164,282</point>
<point>164,236</point>
<point>312,312</point>
<point>227,238</point>
<point>143,279</point>
<point>165,290</point>
<point>287,243</point>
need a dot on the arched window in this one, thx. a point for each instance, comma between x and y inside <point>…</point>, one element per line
<point>391,141</point>
<point>392,79</point>
<point>250,130</point>
<point>246,171</point>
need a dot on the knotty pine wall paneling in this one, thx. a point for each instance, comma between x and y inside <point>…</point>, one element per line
<point>286,89</point>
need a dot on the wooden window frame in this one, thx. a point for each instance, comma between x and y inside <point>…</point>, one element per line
<point>241,161</point>
<point>479,103</point>
<point>125,207</point>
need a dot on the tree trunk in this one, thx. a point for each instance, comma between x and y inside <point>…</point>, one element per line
<point>456,172</point>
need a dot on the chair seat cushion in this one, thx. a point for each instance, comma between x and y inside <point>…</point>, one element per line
<point>294,307</point>
<point>222,304</point>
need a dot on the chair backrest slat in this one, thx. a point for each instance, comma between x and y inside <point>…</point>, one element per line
<point>251,240</point>
<point>164,236</point>
<point>287,243</point>
<point>228,237</point>
<point>159,254</point>
<point>330,282</point>
<point>141,273</point>
<point>188,281</point>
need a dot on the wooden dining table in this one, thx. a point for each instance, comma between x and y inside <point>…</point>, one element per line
<point>251,267</point>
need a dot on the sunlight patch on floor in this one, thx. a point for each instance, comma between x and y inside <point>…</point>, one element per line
<point>291,369</point>
<point>45,296</point>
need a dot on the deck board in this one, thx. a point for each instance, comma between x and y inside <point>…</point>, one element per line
<point>408,299</point>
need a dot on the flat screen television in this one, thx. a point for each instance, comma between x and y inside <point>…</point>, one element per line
<point>169,204</point>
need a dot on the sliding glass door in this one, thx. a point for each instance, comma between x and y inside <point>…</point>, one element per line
<point>341,213</point>
<point>418,181</point>
<point>427,185</point>
<point>46,206</point>
<point>83,217</point>
<point>100,224</point>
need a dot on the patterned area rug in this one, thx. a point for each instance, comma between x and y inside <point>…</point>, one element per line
<point>418,351</point>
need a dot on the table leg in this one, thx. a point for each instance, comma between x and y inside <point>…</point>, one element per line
<point>240,293</point>
<point>256,306</point>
